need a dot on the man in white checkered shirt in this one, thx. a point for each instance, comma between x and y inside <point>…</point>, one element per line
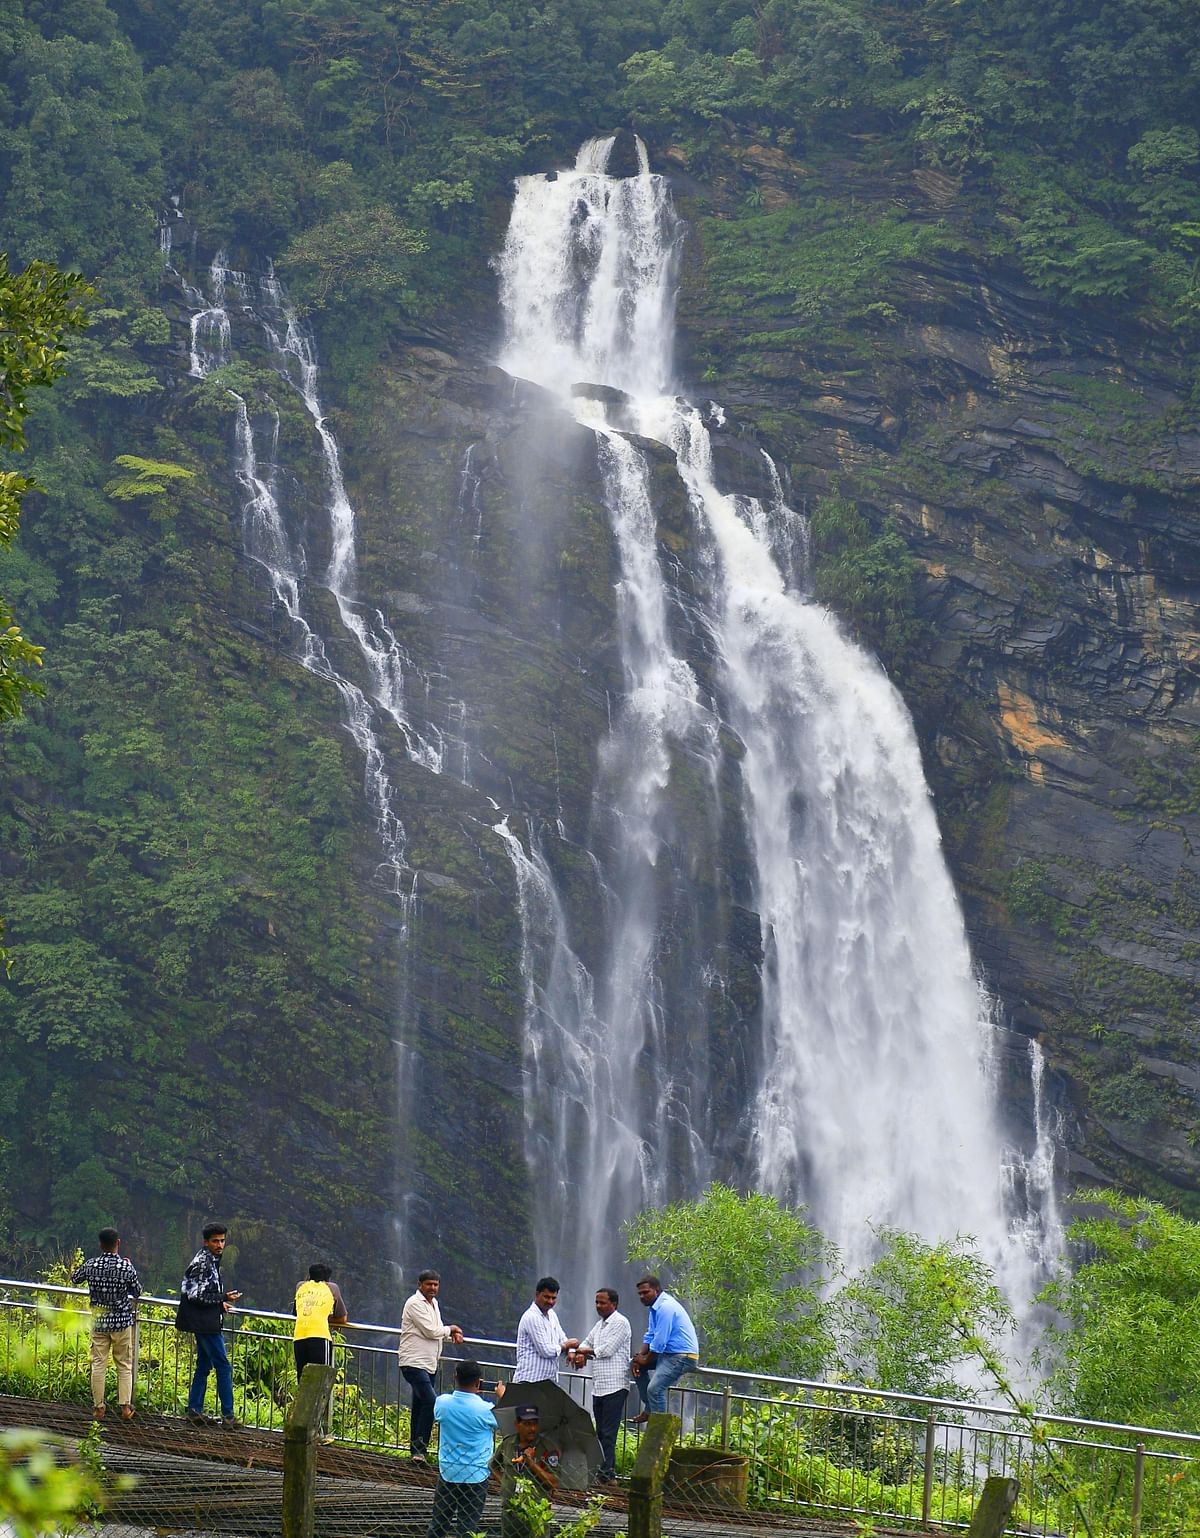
<point>541,1341</point>
<point>608,1345</point>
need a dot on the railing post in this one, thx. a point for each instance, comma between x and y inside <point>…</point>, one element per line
<point>927,1480</point>
<point>726,1408</point>
<point>1139,1470</point>
<point>300,1450</point>
<point>649,1472</point>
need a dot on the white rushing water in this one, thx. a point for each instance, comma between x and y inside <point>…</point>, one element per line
<point>874,1102</point>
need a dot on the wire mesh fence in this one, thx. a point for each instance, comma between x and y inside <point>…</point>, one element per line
<point>754,1450</point>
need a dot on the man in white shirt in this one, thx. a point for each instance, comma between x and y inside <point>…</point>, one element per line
<point>609,1346</point>
<point>422,1334</point>
<point>541,1340</point>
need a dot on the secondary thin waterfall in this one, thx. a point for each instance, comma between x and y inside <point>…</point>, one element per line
<point>873,1101</point>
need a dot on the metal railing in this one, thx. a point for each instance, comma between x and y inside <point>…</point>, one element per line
<point>809,1447</point>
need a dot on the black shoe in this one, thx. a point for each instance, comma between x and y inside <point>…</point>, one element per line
<point>231,1423</point>
<point>198,1418</point>
<point>421,1461</point>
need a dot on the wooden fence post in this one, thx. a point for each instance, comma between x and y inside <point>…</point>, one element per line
<point>995,1507</point>
<point>300,1450</point>
<point>649,1472</point>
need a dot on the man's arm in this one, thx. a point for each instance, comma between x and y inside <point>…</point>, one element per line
<point>80,1274</point>
<point>339,1315</point>
<point>134,1283</point>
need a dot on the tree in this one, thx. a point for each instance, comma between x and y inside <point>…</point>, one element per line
<point>1132,1349</point>
<point>894,1326</point>
<point>748,1269</point>
<point>38,307</point>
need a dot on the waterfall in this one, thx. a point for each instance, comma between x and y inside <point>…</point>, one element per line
<point>872,1100</point>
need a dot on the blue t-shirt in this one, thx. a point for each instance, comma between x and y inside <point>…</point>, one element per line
<point>466,1437</point>
<point>669,1331</point>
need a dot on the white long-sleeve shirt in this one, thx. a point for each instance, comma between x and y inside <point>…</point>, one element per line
<point>539,1345</point>
<point>611,1341</point>
<point>421,1333</point>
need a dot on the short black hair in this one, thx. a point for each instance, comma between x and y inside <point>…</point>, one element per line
<point>651,1279</point>
<point>108,1238</point>
<point>610,1293</point>
<point>429,1276</point>
<point>319,1273</point>
<point>467,1373</point>
<point>211,1230</point>
<point>547,1284</point>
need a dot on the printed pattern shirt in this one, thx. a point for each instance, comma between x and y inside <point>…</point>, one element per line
<point>539,1345</point>
<point>612,1341</point>
<point>202,1279</point>
<point>113,1288</point>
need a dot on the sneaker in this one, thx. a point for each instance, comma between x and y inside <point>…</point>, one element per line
<point>421,1461</point>
<point>231,1423</point>
<point>98,1412</point>
<point>126,1412</point>
<point>198,1418</point>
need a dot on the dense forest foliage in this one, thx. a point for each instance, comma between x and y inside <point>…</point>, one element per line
<point>364,145</point>
<point>367,149</point>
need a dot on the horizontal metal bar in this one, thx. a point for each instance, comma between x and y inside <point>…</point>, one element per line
<point>832,1391</point>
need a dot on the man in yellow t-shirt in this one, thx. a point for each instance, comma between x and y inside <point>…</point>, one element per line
<point>319,1304</point>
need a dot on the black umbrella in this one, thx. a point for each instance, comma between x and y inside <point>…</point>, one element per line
<point>560,1418</point>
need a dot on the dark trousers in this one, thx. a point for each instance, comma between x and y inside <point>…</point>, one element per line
<point>211,1357</point>
<point>455,1507</point>
<point>607,1410</point>
<point>319,1351</point>
<point>423,1397</point>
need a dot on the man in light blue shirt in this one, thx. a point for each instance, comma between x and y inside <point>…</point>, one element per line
<point>669,1347</point>
<point>466,1437</point>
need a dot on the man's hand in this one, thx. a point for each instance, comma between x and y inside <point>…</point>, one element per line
<point>500,1387</point>
<point>456,1335</point>
<point>568,1346</point>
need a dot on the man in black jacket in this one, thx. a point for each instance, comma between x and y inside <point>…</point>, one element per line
<point>202,1309</point>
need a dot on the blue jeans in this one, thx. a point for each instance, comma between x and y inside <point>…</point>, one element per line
<point>653,1386</point>
<point>211,1357</point>
<point>423,1397</point>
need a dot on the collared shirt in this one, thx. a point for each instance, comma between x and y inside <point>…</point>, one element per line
<point>611,1340</point>
<point>669,1329</point>
<point>113,1288</point>
<point>539,1345</point>
<point>421,1335</point>
<point>466,1437</point>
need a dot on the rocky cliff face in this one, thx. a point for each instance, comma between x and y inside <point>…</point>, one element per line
<point>1043,466</point>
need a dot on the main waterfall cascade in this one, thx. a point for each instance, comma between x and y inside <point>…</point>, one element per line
<point>873,1099</point>
<point>746,718</point>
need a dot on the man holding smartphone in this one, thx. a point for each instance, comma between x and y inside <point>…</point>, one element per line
<point>203,1304</point>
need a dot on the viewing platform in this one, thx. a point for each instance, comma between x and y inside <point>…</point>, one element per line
<point>817,1457</point>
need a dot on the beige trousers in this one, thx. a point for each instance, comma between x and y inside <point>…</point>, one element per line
<point>120,1343</point>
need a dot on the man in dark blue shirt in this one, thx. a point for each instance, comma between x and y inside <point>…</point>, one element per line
<point>113,1291</point>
